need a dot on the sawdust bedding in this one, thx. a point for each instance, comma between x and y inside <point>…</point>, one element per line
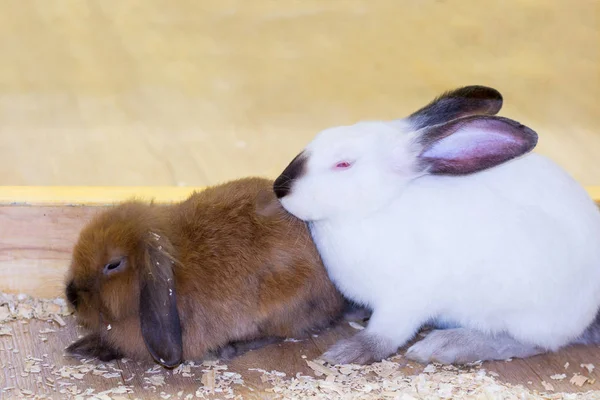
<point>382,380</point>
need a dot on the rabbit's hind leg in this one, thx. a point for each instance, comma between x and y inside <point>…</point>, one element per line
<point>464,345</point>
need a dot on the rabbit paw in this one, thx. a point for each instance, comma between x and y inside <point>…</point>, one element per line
<point>362,348</point>
<point>463,346</point>
<point>93,346</point>
<point>236,349</point>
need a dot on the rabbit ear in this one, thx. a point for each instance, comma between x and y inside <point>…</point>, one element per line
<point>472,144</point>
<point>463,102</point>
<point>161,327</point>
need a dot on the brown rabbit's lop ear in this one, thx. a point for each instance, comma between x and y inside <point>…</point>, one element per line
<point>159,318</point>
<point>458,103</point>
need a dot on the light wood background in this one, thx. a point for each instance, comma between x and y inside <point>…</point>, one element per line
<point>155,92</point>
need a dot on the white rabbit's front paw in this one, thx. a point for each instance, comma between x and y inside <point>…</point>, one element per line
<point>362,348</point>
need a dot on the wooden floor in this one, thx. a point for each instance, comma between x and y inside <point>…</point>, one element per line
<point>31,366</point>
<point>104,92</point>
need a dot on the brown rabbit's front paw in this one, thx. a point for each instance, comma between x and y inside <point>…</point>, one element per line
<point>235,349</point>
<point>362,348</point>
<point>92,346</point>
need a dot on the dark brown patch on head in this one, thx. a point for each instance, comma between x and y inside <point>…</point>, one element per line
<point>468,100</point>
<point>295,170</point>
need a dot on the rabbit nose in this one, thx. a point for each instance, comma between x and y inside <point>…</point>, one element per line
<point>295,170</point>
<point>282,186</point>
<point>71,293</point>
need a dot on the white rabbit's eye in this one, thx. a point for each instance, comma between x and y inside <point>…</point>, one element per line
<point>342,165</point>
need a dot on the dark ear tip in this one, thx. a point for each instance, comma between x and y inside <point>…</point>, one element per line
<point>481,92</point>
<point>529,134</point>
<point>532,136</point>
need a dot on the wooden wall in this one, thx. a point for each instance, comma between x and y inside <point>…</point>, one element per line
<point>155,92</point>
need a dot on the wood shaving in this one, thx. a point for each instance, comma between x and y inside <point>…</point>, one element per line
<point>23,307</point>
<point>589,367</point>
<point>58,319</point>
<point>32,366</point>
<point>578,380</point>
<point>155,380</point>
<point>376,382</point>
<point>208,380</point>
<point>320,369</point>
<point>5,330</point>
<point>217,379</point>
<point>356,325</point>
<point>430,369</point>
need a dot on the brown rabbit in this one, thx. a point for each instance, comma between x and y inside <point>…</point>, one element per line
<point>225,271</point>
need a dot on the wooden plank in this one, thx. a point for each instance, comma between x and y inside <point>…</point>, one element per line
<point>90,195</point>
<point>36,245</point>
<point>31,364</point>
<point>147,379</point>
<point>108,195</point>
<point>569,362</point>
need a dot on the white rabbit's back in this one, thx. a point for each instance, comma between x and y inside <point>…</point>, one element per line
<point>516,248</point>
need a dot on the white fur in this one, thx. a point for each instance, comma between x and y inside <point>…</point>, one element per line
<point>513,249</point>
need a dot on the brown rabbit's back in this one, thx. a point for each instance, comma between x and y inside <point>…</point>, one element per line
<point>247,272</point>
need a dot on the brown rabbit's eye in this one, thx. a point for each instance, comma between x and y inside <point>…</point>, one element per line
<point>114,266</point>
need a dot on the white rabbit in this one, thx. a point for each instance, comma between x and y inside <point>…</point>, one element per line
<point>447,218</point>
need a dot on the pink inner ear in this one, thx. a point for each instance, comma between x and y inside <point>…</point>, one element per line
<point>471,144</point>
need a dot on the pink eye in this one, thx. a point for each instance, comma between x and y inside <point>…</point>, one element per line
<point>343,165</point>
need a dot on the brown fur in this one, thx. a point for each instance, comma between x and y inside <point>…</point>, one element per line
<point>240,274</point>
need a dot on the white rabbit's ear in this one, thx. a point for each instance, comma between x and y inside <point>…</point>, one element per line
<point>459,103</point>
<point>472,144</point>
